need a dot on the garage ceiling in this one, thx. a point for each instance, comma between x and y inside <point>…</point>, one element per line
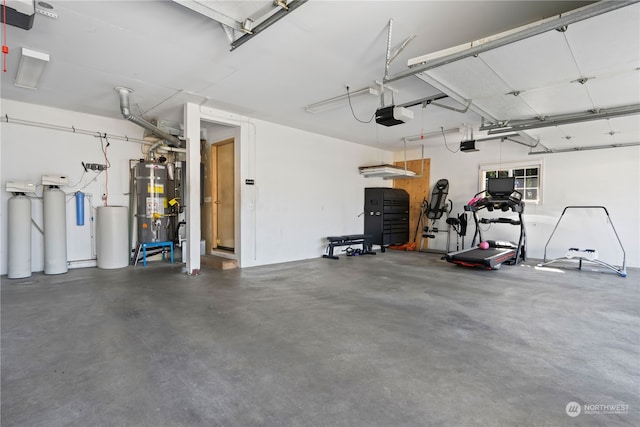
<point>170,53</point>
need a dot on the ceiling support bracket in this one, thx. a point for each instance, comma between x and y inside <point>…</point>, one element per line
<point>280,13</point>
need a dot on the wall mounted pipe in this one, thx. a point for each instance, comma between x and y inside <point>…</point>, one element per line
<point>166,149</point>
<point>124,92</point>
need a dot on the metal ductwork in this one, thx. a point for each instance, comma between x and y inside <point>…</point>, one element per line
<point>126,113</point>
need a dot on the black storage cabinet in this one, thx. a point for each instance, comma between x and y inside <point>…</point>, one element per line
<point>386,215</point>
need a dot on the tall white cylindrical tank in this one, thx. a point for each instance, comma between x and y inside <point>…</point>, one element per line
<point>55,231</point>
<point>112,237</point>
<point>19,237</point>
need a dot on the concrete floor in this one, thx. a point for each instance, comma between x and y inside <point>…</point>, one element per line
<point>396,339</point>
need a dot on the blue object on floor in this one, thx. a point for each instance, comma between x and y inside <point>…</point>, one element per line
<point>144,247</point>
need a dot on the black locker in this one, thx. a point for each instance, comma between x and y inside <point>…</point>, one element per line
<point>386,215</point>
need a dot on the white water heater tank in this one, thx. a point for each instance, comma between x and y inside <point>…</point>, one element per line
<point>112,237</point>
<point>19,237</point>
<point>55,231</point>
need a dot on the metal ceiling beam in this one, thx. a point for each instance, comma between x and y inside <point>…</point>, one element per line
<point>517,34</point>
<point>207,11</point>
<point>281,13</point>
<point>593,147</point>
<point>427,100</point>
<point>564,119</point>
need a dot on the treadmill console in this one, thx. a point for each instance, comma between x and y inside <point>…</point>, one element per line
<point>512,201</point>
<point>500,188</point>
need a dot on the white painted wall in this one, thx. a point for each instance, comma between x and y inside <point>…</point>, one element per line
<point>307,187</point>
<point>28,152</point>
<point>608,177</point>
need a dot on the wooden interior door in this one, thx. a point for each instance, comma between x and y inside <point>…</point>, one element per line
<point>418,189</point>
<point>223,194</point>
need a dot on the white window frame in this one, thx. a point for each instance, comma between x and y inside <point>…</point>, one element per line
<point>510,166</point>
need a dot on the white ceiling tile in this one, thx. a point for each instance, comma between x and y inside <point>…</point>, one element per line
<point>552,138</point>
<point>615,90</point>
<point>627,124</point>
<point>606,43</point>
<point>164,51</point>
<point>539,61</point>
<point>619,130</point>
<point>484,89</point>
<point>470,78</point>
<point>506,107</point>
<point>561,99</point>
<point>597,129</point>
<point>625,129</point>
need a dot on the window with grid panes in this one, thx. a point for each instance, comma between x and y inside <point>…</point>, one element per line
<point>528,178</point>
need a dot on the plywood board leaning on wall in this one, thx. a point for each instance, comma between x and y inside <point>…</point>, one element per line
<point>418,189</point>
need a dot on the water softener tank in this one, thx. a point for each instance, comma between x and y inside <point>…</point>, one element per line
<point>151,194</point>
<point>19,237</point>
<point>55,231</point>
<point>112,237</point>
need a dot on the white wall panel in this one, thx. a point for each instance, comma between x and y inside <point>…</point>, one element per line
<point>306,187</point>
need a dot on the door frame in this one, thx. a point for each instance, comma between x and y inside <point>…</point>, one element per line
<point>197,120</point>
<point>213,179</point>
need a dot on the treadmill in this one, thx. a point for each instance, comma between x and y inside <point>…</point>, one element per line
<point>500,195</point>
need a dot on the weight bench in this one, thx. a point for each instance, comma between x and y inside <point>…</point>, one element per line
<point>348,240</point>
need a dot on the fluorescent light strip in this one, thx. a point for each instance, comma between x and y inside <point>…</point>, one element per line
<point>335,102</point>
<point>30,69</point>
<point>385,171</point>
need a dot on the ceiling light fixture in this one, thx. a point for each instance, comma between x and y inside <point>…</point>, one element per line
<point>31,67</point>
<point>429,135</point>
<point>386,172</point>
<point>337,101</point>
